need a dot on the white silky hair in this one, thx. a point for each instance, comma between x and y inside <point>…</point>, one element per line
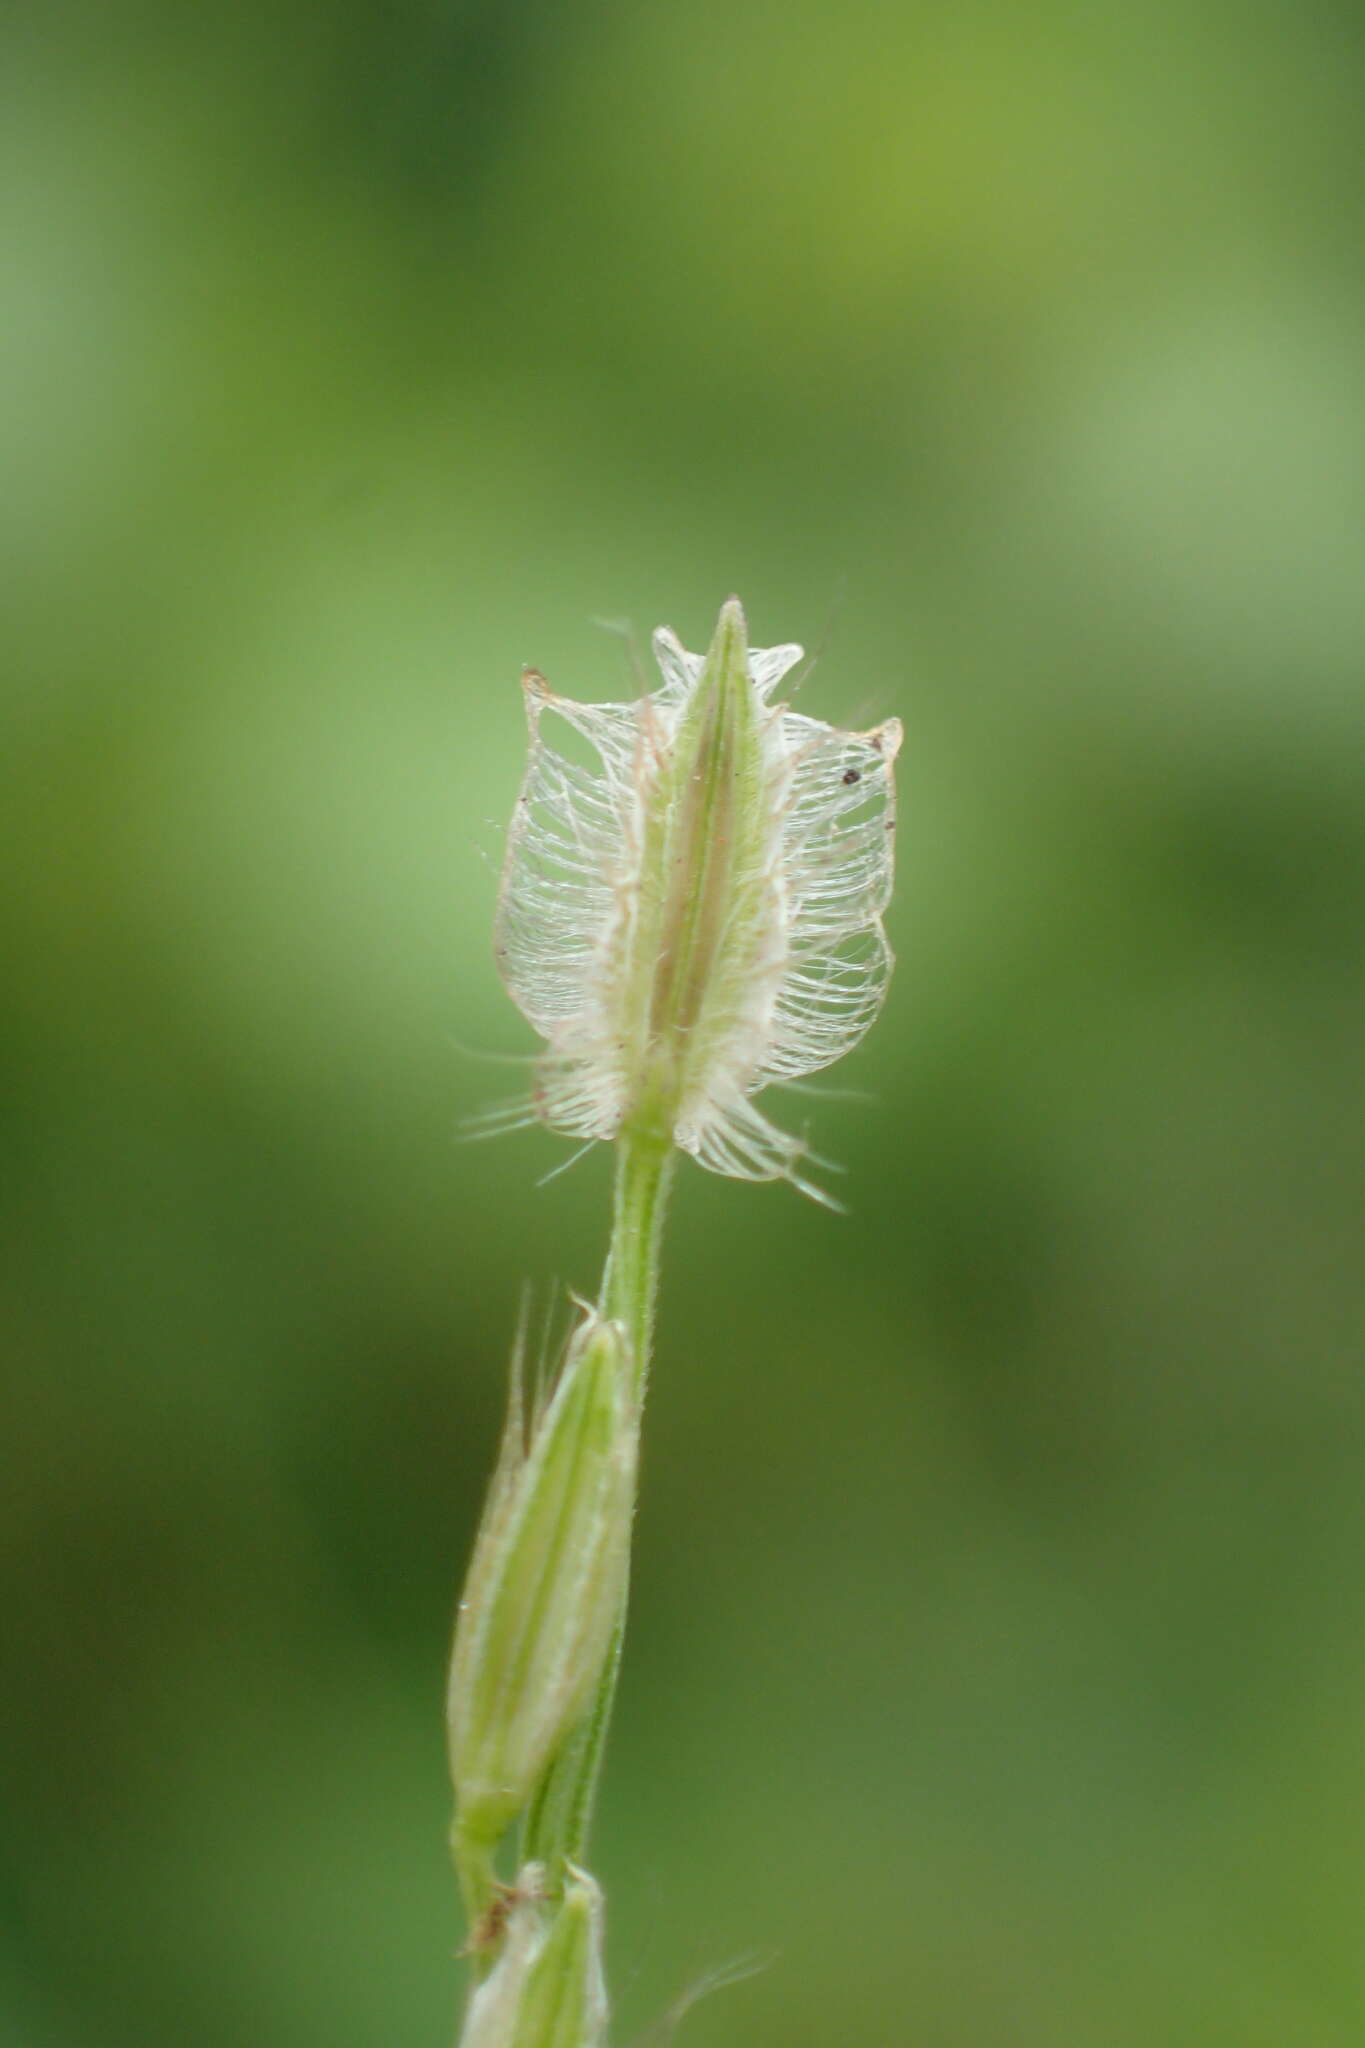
<point>803,959</point>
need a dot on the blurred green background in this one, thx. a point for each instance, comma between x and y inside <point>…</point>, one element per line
<point>998,1660</point>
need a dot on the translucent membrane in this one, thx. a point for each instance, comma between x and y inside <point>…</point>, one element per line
<point>698,913</point>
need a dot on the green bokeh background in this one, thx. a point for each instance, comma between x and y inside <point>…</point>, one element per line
<point>998,1661</point>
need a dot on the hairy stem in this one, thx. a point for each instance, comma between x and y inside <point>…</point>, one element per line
<point>559,1820</point>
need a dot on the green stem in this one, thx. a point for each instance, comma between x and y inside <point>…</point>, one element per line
<point>561,1815</point>
<point>478,1885</point>
<point>630,1283</point>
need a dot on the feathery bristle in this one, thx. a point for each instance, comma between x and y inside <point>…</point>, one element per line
<point>700,914</point>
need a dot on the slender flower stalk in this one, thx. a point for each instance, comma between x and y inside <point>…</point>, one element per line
<point>697,917</point>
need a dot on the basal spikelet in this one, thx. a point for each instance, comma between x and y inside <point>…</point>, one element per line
<point>546,1989</point>
<point>699,914</point>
